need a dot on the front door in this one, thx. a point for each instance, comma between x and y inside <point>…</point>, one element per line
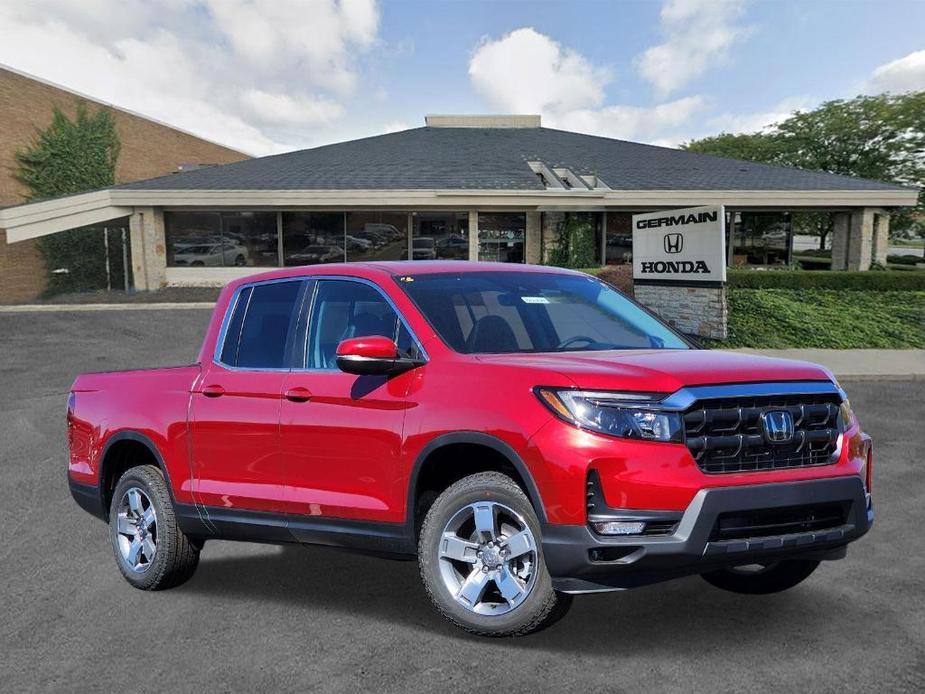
<point>341,434</point>
<point>235,406</point>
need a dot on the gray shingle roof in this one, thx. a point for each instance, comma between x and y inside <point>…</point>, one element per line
<point>495,159</point>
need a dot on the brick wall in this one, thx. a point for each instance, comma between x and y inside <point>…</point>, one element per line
<point>699,311</point>
<point>149,149</point>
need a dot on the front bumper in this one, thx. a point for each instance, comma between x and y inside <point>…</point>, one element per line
<point>580,561</point>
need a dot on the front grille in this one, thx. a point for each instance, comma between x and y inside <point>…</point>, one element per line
<point>736,525</point>
<point>726,435</point>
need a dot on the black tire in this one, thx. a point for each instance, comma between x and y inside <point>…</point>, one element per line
<point>176,556</point>
<point>773,578</point>
<point>542,605</point>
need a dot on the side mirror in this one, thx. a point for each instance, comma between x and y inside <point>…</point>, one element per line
<point>372,356</point>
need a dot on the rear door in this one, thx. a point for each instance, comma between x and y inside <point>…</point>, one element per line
<point>235,406</point>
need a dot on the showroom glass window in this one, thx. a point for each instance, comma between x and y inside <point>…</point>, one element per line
<point>440,236</point>
<point>313,238</point>
<point>761,238</point>
<point>376,236</point>
<point>213,239</point>
<point>501,236</point>
<point>619,247</point>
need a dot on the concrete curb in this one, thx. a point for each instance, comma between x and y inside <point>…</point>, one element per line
<point>54,308</point>
<point>869,365</point>
<point>875,378</point>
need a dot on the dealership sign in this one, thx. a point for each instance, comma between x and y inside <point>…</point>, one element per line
<point>680,245</point>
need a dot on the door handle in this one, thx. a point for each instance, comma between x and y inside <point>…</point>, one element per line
<point>298,394</point>
<point>213,391</point>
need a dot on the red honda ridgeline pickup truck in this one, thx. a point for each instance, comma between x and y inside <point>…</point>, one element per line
<point>527,433</point>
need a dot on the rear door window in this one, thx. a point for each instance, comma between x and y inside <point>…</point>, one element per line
<point>261,330</point>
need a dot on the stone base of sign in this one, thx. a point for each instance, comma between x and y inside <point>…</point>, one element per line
<point>700,311</point>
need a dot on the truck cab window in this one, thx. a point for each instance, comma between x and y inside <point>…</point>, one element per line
<point>260,329</point>
<point>342,310</point>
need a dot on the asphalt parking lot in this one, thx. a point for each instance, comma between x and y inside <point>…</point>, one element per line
<point>265,618</point>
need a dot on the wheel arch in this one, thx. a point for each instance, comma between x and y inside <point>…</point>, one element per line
<point>120,453</point>
<point>446,449</point>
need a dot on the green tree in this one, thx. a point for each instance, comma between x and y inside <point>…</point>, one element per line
<point>877,137</point>
<point>762,146</point>
<point>72,156</point>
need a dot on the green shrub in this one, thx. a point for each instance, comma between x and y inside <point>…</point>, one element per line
<point>906,259</point>
<point>813,253</point>
<point>825,318</point>
<point>796,279</point>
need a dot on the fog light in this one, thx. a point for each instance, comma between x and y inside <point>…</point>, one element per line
<point>618,527</point>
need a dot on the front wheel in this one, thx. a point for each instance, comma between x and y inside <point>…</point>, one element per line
<point>151,551</point>
<point>481,559</point>
<point>761,579</point>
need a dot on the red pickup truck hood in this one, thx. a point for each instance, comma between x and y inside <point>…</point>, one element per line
<point>662,370</point>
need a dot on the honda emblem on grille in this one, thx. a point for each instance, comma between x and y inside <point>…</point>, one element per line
<point>673,243</point>
<point>778,425</point>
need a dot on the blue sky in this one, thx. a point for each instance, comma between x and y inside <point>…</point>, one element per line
<point>273,75</point>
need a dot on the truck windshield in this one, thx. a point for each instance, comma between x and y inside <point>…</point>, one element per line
<point>495,312</point>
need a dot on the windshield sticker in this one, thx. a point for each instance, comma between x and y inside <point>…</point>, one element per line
<point>534,299</point>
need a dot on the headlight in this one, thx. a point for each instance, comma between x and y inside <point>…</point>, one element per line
<point>627,415</point>
<point>845,415</point>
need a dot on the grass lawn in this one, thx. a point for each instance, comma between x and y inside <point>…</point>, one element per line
<point>825,318</point>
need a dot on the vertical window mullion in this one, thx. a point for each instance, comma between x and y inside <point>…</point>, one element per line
<point>280,262</point>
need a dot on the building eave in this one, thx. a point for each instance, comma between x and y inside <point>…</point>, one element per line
<point>886,197</point>
<point>37,219</point>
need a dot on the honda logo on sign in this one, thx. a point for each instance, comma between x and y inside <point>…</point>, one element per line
<point>778,426</point>
<point>674,243</point>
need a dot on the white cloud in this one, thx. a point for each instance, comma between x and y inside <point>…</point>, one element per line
<point>698,35</point>
<point>648,124</point>
<point>751,122</point>
<point>395,126</point>
<point>907,74</point>
<point>318,36</point>
<point>257,75</point>
<point>277,108</point>
<point>528,72</point>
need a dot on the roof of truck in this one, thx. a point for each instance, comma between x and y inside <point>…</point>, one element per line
<point>395,268</point>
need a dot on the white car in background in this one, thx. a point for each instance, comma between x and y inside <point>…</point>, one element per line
<point>386,231</point>
<point>423,248</point>
<point>357,243</point>
<point>211,255</point>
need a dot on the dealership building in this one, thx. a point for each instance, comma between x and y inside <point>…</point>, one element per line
<point>149,148</point>
<point>495,188</point>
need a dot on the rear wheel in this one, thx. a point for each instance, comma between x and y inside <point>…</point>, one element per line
<point>151,551</point>
<point>481,559</point>
<point>761,579</point>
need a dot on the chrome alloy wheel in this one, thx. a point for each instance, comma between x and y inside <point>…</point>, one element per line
<point>488,558</point>
<point>136,525</point>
